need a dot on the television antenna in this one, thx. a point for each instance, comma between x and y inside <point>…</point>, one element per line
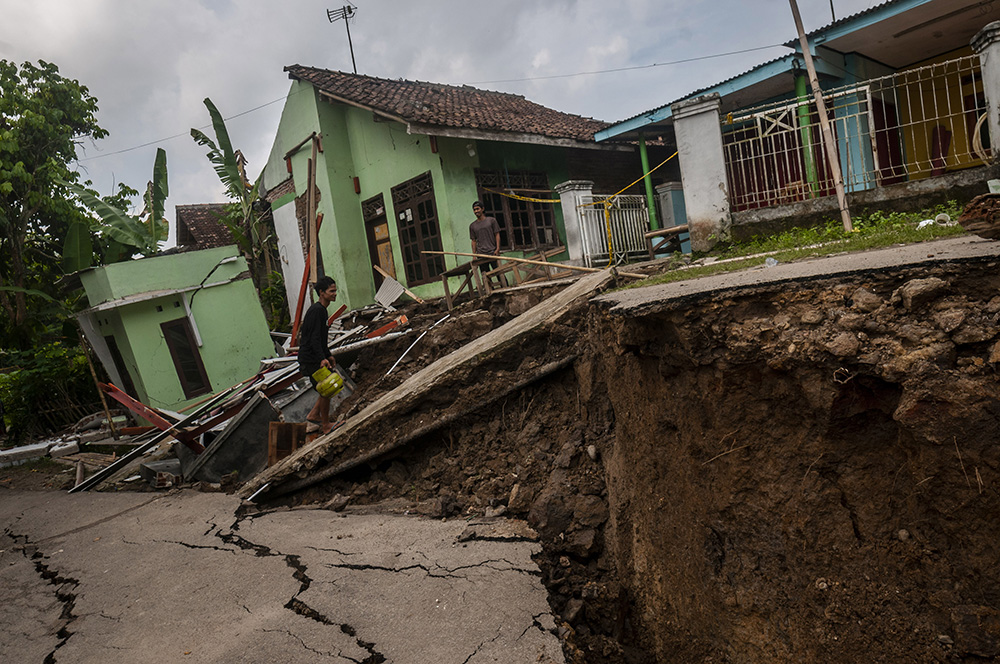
<point>345,13</point>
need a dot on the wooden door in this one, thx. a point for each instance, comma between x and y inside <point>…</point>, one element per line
<point>379,242</point>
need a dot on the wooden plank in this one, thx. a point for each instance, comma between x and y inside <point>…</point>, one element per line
<point>396,414</point>
<point>578,268</point>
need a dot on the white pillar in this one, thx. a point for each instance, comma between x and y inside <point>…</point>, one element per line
<point>703,169</point>
<point>987,44</point>
<point>571,194</point>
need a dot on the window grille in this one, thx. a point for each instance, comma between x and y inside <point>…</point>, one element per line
<point>417,222</point>
<point>913,124</point>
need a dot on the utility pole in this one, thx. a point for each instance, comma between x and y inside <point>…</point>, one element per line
<point>831,143</point>
<point>346,13</point>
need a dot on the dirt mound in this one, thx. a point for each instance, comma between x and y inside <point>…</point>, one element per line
<point>785,475</point>
<point>982,216</point>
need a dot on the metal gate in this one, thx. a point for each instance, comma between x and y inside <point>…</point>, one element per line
<point>629,222</point>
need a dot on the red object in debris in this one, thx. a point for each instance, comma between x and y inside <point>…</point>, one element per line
<point>151,414</point>
<point>394,323</point>
<point>336,314</point>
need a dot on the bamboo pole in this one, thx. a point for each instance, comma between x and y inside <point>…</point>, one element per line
<point>578,268</point>
<point>824,121</point>
<point>97,383</point>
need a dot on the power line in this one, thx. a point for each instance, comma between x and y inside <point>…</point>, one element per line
<point>505,80</point>
<point>187,133</point>
<point>610,71</point>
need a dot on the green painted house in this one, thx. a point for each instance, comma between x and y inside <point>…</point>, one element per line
<point>398,166</point>
<point>172,328</point>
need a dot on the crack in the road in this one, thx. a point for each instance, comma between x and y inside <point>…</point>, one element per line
<point>303,643</point>
<point>534,623</point>
<point>300,574</point>
<point>480,647</point>
<point>433,572</point>
<point>64,587</point>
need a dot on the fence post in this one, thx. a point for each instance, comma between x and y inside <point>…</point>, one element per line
<point>698,129</point>
<point>570,195</point>
<point>987,44</point>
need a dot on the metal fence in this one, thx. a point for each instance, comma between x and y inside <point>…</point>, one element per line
<point>629,223</point>
<point>913,124</point>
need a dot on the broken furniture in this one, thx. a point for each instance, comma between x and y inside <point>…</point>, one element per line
<point>470,278</point>
<point>664,240</point>
<point>525,272</point>
<point>283,438</point>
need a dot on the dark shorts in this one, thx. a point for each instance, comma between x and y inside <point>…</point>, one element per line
<point>308,373</point>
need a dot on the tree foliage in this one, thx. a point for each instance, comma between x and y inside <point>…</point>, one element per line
<point>43,118</point>
<point>245,219</point>
<point>119,235</point>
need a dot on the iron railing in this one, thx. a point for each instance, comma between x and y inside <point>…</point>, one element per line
<point>912,124</point>
<point>629,221</point>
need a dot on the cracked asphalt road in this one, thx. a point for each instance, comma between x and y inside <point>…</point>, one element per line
<point>178,577</point>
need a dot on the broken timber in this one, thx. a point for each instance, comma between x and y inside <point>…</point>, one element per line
<point>436,395</point>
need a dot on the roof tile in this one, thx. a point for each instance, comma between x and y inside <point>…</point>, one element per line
<point>452,106</point>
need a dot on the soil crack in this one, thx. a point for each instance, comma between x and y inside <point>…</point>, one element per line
<point>64,590</point>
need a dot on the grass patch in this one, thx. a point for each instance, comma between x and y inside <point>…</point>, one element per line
<point>871,231</point>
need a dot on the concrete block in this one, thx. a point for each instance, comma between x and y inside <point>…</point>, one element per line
<point>64,449</point>
<point>18,455</point>
<point>162,474</point>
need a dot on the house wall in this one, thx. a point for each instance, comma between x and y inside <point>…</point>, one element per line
<point>155,273</point>
<point>381,154</point>
<point>109,324</point>
<point>228,318</point>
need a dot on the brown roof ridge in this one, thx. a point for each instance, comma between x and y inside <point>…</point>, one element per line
<point>461,107</point>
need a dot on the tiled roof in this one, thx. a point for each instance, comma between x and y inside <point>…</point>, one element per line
<point>199,226</point>
<point>449,106</point>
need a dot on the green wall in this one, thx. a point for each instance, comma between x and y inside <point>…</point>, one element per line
<point>229,319</point>
<point>381,154</point>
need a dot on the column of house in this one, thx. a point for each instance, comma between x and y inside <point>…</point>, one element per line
<point>698,130</point>
<point>987,44</point>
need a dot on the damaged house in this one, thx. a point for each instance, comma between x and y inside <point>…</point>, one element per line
<point>906,83</point>
<point>172,328</point>
<point>397,165</point>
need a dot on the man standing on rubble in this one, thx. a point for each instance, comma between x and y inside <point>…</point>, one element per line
<point>485,235</point>
<point>314,350</point>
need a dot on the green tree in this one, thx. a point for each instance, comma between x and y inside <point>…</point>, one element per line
<point>246,220</point>
<point>119,234</point>
<point>43,117</point>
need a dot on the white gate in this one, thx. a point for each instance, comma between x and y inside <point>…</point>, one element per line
<point>629,223</point>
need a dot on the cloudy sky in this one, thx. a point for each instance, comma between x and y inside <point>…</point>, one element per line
<point>150,63</point>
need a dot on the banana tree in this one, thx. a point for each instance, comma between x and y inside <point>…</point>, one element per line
<point>121,234</point>
<point>250,232</point>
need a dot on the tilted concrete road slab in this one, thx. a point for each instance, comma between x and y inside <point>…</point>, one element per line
<point>178,577</point>
<point>440,392</point>
<point>650,299</point>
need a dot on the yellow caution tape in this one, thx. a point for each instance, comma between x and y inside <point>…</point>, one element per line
<point>641,178</point>
<point>522,198</point>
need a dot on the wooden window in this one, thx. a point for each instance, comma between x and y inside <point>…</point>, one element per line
<point>187,360</point>
<point>524,225</point>
<point>416,219</point>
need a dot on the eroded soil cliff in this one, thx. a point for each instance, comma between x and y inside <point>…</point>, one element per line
<point>793,473</point>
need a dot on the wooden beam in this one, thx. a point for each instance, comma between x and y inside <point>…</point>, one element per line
<point>578,268</point>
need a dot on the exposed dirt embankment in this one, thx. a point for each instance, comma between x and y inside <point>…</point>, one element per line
<point>808,474</point>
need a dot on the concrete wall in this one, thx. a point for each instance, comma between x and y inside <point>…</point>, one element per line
<point>228,318</point>
<point>381,154</point>
<point>960,186</point>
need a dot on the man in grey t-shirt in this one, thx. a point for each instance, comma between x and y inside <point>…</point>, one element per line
<point>485,235</point>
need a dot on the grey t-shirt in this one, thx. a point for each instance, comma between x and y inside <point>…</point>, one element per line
<point>484,231</point>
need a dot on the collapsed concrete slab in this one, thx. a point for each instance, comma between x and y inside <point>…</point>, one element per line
<point>448,389</point>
